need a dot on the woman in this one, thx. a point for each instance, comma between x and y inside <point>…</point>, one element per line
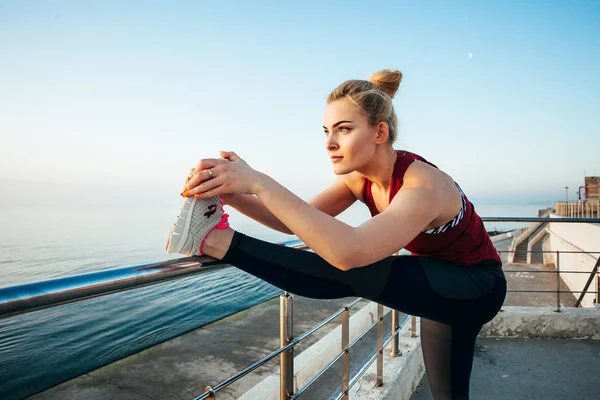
<point>453,280</point>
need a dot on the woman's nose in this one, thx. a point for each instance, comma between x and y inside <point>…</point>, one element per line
<point>330,144</point>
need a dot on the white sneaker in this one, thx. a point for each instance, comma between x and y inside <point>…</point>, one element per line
<point>196,219</point>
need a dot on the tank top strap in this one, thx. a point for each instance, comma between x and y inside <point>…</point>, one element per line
<point>368,197</point>
<point>403,160</point>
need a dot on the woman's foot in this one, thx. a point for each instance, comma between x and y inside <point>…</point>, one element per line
<point>196,219</point>
<point>217,242</point>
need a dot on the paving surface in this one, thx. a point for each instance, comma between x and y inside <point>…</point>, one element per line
<point>532,369</point>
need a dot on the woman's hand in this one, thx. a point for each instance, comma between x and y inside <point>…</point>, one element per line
<point>230,175</point>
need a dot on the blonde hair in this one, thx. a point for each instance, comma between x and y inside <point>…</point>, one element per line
<point>373,98</point>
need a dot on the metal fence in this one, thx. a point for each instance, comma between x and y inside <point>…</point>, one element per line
<point>25,298</point>
<point>287,343</point>
<point>594,273</point>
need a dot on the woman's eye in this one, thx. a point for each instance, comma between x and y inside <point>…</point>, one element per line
<point>326,133</point>
<point>344,129</point>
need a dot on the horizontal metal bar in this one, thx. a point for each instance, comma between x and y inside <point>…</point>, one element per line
<point>550,291</point>
<point>244,372</point>
<point>548,251</point>
<point>538,219</point>
<point>337,357</point>
<point>361,372</point>
<point>547,272</point>
<point>314,379</point>
<point>362,335</point>
<point>324,322</point>
<point>274,354</point>
<point>35,296</point>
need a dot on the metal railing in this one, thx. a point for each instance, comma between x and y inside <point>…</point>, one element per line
<point>595,272</point>
<point>30,297</point>
<point>26,298</point>
<point>287,343</point>
<point>35,296</point>
<point>525,232</point>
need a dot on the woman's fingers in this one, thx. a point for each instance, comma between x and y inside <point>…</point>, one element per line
<point>203,179</point>
<point>201,172</point>
<point>208,186</point>
<point>188,177</point>
<point>230,155</point>
<point>209,163</point>
<point>199,177</point>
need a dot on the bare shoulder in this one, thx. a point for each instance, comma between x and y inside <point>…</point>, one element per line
<point>434,186</point>
<point>424,176</point>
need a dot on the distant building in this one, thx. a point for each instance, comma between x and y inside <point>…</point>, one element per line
<point>592,187</point>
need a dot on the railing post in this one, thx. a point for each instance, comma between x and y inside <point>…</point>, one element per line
<point>346,356</point>
<point>588,283</point>
<point>286,334</point>
<point>380,345</point>
<point>211,393</point>
<point>413,326</point>
<point>558,281</point>
<point>395,342</point>
<point>597,286</point>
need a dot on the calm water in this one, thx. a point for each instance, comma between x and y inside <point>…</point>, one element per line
<point>43,348</point>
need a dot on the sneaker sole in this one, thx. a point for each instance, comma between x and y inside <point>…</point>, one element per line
<point>179,233</point>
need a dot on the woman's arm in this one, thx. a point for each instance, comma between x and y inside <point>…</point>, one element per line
<point>420,201</point>
<point>346,247</point>
<point>332,201</point>
<point>252,207</point>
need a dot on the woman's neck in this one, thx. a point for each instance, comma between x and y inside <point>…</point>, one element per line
<point>381,167</point>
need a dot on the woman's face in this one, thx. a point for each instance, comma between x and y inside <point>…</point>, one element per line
<point>350,140</point>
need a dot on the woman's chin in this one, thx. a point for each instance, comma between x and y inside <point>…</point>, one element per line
<point>339,170</point>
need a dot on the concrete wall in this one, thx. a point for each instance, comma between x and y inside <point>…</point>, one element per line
<point>575,237</point>
<point>544,323</point>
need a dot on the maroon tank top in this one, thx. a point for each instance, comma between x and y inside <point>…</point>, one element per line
<point>465,242</point>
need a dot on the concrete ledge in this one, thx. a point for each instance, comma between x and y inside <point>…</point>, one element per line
<point>401,375</point>
<point>544,323</point>
<point>502,236</point>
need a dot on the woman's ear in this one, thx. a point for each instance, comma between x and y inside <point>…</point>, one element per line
<point>383,132</point>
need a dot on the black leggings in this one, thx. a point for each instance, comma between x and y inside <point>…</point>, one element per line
<point>449,327</point>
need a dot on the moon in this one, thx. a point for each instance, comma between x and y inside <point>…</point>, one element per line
<point>470,55</point>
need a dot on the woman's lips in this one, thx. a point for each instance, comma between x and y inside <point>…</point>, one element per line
<point>336,158</point>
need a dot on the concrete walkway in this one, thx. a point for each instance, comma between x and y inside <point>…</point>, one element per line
<point>532,369</point>
<point>532,280</point>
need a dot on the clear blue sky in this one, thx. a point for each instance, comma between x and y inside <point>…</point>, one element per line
<point>135,92</point>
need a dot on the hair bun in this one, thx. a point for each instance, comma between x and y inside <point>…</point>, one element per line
<point>387,80</point>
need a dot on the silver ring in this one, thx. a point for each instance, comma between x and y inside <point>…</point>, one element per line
<point>210,173</point>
